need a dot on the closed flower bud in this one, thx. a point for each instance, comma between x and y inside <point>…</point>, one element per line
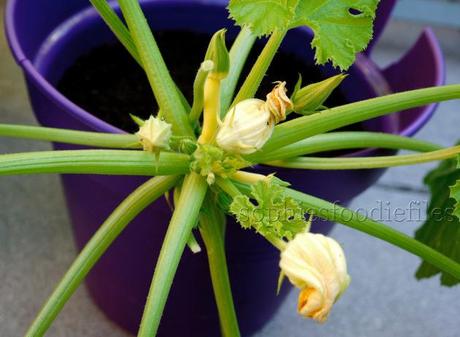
<point>310,98</point>
<point>315,264</point>
<point>246,127</point>
<point>154,134</point>
<point>217,53</point>
<point>278,102</point>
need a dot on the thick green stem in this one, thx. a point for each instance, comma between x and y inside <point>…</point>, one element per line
<point>164,88</point>
<point>336,213</point>
<point>228,187</point>
<point>318,163</point>
<point>333,141</point>
<point>96,139</point>
<point>327,120</point>
<point>184,218</point>
<point>102,239</point>
<point>117,27</point>
<point>110,162</point>
<point>212,224</point>
<point>252,82</point>
<point>238,55</point>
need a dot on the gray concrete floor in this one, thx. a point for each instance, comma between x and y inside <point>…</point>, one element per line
<point>384,299</point>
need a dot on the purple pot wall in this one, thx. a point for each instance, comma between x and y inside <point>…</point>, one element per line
<point>119,282</point>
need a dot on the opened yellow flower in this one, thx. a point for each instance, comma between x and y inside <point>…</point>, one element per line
<point>315,264</point>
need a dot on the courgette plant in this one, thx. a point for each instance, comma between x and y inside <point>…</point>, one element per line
<point>204,152</point>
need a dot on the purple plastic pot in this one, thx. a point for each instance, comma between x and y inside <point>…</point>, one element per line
<point>45,45</point>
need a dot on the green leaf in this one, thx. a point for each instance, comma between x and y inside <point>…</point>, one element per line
<point>263,16</point>
<point>342,28</point>
<point>455,194</point>
<point>275,214</point>
<point>441,231</point>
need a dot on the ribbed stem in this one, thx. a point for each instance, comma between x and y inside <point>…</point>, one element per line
<point>238,55</point>
<point>308,126</point>
<point>116,26</point>
<point>184,218</point>
<point>95,248</point>
<point>96,139</point>
<point>164,88</point>
<point>257,73</point>
<point>212,227</point>
<point>318,163</point>
<point>333,141</point>
<point>111,162</point>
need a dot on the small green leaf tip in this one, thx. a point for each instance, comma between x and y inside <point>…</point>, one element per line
<point>274,214</point>
<point>139,121</point>
<point>310,98</point>
<point>218,53</point>
<point>441,230</point>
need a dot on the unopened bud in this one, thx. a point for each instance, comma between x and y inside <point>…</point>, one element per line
<point>217,53</point>
<point>311,97</point>
<point>154,134</point>
<point>246,127</point>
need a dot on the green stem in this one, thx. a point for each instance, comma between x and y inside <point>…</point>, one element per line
<point>327,120</point>
<point>317,163</point>
<point>95,248</point>
<point>198,90</point>
<point>336,213</point>
<point>184,218</point>
<point>110,162</point>
<point>96,139</point>
<point>252,82</point>
<point>228,187</point>
<point>280,244</point>
<point>164,88</point>
<point>212,223</point>
<point>346,140</point>
<point>116,26</point>
<point>238,55</point>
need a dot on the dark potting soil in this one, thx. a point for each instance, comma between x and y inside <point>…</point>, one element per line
<point>108,82</point>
